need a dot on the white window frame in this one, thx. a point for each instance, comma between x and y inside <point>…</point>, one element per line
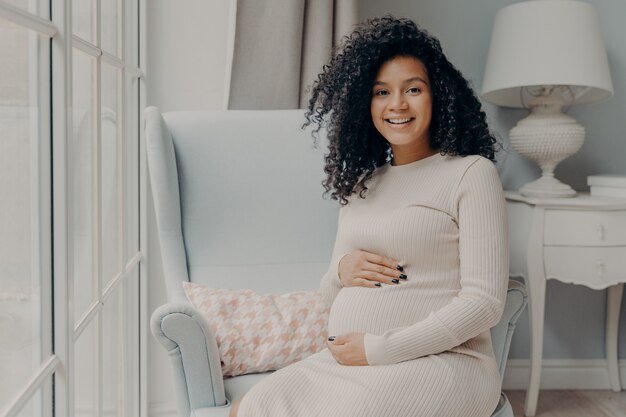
<point>60,364</point>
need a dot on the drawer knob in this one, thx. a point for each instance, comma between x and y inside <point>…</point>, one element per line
<point>600,266</point>
<point>601,231</point>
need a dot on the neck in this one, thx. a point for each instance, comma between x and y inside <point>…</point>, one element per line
<point>401,158</point>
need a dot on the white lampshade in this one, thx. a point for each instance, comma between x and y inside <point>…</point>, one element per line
<point>546,42</point>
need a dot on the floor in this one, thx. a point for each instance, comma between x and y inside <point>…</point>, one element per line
<point>561,403</point>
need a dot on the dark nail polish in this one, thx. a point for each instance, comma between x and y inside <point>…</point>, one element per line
<point>403,276</point>
<point>331,338</point>
<point>400,268</point>
<point>377,284</point>
<point>395,281</point>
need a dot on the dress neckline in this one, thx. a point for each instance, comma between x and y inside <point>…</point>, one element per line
<point>412,165</point>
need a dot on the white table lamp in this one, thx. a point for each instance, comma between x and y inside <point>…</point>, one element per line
<point>545,54</point>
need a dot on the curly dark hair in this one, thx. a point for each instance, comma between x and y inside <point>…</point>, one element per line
<point>343,92</point>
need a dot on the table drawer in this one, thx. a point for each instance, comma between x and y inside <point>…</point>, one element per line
<point>585,228</point>
<point>594,267</point>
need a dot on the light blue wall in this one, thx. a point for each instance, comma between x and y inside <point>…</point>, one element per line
<point>575,315</point>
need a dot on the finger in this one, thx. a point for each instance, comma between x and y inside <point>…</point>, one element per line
<point>384,271</point>
<point>375,276</point>
<point>331,347</point>
<point>336,340</point>
<point>338,357</point>
<point>385,261</point>
<point>340,340</point>
<point>334,354</point>
<point>362,282</point>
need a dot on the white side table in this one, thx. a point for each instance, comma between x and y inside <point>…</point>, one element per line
<point>579,240</point>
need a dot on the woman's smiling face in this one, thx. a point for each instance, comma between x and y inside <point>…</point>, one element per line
<point>401,94</point>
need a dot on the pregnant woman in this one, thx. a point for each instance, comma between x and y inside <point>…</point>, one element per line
<point>419,270</point>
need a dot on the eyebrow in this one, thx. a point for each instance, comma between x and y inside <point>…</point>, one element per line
<point>405,81</point>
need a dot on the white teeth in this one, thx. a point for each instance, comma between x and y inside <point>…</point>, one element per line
<point>398,121</point>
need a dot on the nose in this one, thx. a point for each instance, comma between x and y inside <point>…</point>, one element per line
<point>397,102</point>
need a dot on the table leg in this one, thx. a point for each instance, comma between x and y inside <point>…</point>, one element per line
<point>614,301</point>
<point>536,302</point>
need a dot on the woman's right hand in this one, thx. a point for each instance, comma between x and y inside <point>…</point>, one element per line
<point>360,268</point>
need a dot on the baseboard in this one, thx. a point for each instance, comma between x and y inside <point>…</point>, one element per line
<point>562,374</point>
<point>555,374</point>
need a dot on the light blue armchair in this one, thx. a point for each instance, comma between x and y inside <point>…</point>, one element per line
<point>238,204</point>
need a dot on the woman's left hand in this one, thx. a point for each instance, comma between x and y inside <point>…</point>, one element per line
<point>348,349</point>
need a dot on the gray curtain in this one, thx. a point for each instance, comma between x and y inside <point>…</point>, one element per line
<point>281,46</point>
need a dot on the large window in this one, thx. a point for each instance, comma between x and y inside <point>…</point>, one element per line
<point>71,171</point>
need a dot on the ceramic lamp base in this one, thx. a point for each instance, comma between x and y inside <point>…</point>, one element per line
<point>547,137</point>
<point>547,186</point>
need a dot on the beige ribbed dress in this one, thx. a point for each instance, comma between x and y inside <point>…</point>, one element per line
<point>427,339</point>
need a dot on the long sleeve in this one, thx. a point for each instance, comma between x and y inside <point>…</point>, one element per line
<point>483,267</point>
<point>330,284</point>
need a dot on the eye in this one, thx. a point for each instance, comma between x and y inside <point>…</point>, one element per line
<point>415,89</point>
<point>377,93</point>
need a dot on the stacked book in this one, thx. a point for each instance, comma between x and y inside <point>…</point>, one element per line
<point>607,185</point>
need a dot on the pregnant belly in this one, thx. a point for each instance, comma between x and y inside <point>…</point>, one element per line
<point>376,310</point>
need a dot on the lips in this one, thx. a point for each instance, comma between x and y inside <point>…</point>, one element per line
<point>399,121</point>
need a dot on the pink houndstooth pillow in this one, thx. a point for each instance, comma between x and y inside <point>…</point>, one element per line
<point>259,333</point>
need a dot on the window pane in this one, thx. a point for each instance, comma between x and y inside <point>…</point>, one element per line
<point>131,39</point>
<point>24,207</point>
<point>82,16</point>
<point>39,402</point>
<point>131,341</point>
<point>110,18</point>
<point>110,197</point>
<point>85,366</point>
<point>82,177</point>
<point>131,144</point>
<point>40,8</point>
<point>111,340</point>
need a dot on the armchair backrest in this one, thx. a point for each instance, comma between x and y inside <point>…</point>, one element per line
<point>245,186</point>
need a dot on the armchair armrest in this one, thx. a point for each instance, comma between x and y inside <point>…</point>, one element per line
<point>194,356</point>
<point>502,333</point>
